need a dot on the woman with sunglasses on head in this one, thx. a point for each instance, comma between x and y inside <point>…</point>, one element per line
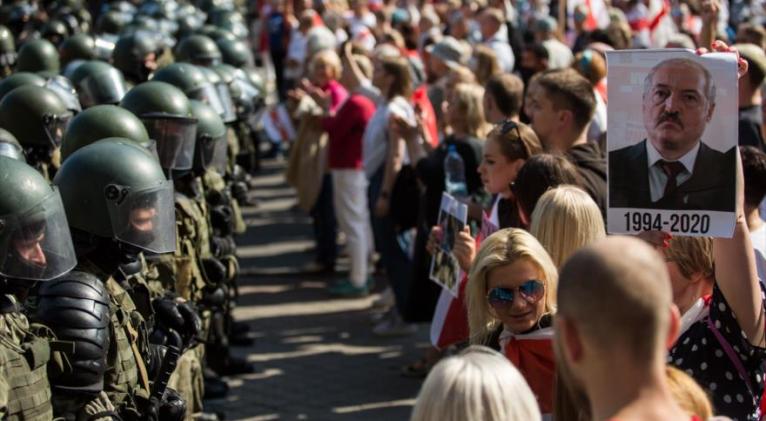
<point>511,296</point>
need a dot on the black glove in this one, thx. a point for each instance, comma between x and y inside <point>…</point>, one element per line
<point>221,219</point>
<point>173,406</point>
<point>178,316</point>
<point>213,270</point>
<point>222,246</point>
<point>214,297</point>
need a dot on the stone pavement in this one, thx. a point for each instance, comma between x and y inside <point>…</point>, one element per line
<point>316,357</point>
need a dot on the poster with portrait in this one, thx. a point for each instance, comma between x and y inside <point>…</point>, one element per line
<point>672,142</point>
<point>445,269</point>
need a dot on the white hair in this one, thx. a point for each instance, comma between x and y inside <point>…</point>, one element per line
<point>478,384</point>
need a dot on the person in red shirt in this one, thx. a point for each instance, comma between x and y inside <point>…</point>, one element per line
<point>345,126</point>
<point>615,321</point>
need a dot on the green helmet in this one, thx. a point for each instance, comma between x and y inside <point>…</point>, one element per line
<point>115,189</point>
<point>77,47</point>
<point>7,47</point>
<point>164,110</point>
<point>130,53</point>
<point>110,22</point>
<point>210,150</point>
<point>54,31</point>
<point>98,83</point>
<point>38,55</point>
<point>235,53</point>
<point>198,49</point>
<point>216,33</point>
<point>35,243</point>
<point>35,115</point>
<point>192,81</point>
<point>100,122</point>
<point>19,79</point>
<point>10,146</point>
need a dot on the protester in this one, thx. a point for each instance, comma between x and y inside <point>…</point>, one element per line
<point>592,66</point>
<point>494,34</point>
<point>478,384</point>
<point>625,329</point>
<point>566,219</point>
<point>560,105</point>
<point>540,173</point>
<point>345,129</point>
<point>503,95</point>
<point>511,296</point>
<point>750,98</point>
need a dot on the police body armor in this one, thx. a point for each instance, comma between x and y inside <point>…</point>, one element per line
<point>126,376</point>
<point>25,357</point>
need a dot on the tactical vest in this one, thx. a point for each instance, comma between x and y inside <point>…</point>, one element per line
<point>212,181</point>
<point>193,244</point>
<point>24,359</point>
<point>127,373</point>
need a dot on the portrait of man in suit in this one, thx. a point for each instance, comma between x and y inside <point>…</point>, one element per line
<point>672,168</point>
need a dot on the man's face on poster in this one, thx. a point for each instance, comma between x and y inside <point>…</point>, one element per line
<point>676,108</point>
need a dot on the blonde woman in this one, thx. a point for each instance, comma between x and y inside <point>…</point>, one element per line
<point>565,219</point>
<point>511,296</point>
<point>478,384</point>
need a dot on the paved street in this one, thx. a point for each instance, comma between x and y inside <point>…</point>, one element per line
<point>316,357</point>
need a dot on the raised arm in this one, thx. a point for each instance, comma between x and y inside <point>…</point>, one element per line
<point>736,275</point>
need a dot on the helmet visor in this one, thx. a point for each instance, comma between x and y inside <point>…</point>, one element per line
<point>229,114</point>
<point>55,126</point>
<point>36,245</point>
<point>211,152</point>
<point>143,218</point>
<point>105,45</point>
<point>8,59</point>
<point>175,138</point>
<point>102,88</point>
<point>209,95</point>
<point>64,89</point>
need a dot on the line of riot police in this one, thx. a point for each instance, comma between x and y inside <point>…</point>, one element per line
<point>127,138</point>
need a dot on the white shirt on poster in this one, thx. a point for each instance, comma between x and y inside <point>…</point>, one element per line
<point>657,177</point>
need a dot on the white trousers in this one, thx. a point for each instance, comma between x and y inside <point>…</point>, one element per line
<point>349,189</point>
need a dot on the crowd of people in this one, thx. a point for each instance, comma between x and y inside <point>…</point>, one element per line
<point>130,132</point>
<point>553,317</point>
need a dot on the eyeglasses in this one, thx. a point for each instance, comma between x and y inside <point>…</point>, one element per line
<point>532,291</point>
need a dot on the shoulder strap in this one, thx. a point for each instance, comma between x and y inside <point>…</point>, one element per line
<point>733,357</point>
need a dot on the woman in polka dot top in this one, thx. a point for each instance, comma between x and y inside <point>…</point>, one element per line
<point>721,343</point>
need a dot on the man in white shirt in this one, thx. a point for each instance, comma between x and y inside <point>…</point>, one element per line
<point>495,35</point>
<point>673,169</point>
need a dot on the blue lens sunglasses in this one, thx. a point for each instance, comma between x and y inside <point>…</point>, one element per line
<point>532,291</point>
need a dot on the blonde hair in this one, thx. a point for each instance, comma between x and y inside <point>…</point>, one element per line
<point>478,384</point>
<point>692,255</point>
<point>467,99</point>
<point>688,394</point>
<point>565,219</point>
<point>499,249</point>
<point>328,57</point>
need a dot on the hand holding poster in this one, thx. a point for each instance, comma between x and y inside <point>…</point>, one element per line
<point>674,169</point>
<point>445,269</point>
